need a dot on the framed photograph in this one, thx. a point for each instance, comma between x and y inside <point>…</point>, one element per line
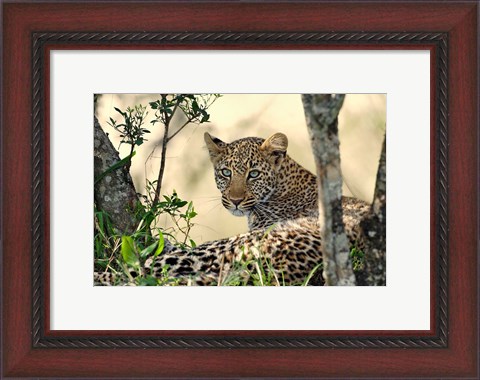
<point>242,75</point>
<point>265,183</point>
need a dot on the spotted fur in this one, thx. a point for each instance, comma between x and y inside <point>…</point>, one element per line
<point>291,249</point>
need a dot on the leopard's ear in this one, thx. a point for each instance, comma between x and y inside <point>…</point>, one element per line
<point>215,146</point>
<point>275,148</point>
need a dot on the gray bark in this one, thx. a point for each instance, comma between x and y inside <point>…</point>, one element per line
<point>321,112</point>
<point>114,193</point>
<point>374,231</point>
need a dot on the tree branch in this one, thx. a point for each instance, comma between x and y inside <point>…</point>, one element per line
<point>162,165</point>
<point>165,141</point>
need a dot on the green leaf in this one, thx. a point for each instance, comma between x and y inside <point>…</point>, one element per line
<point>161,244</point>
<point>147,251</point>
<point>120,112</point>
<point>128,251</point>
<point>100,220</point>
<point>147,281</point>
<point>195,106</point>
<point>310,275</point>
<point>190,213</point>
<point>192,243</point>
<point>205,118</point>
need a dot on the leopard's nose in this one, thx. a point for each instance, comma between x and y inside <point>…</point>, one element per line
<point>236,201</point>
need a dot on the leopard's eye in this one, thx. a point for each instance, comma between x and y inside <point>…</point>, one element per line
<point>226,172</point>
<point>253,174</point>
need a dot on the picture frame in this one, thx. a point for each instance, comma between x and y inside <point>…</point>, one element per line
<point>447,29</point>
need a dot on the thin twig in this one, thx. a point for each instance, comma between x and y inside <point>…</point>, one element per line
<point>175,109</point>
<point>164,154</point>
<point>162,167</point>
<point>179,129</point>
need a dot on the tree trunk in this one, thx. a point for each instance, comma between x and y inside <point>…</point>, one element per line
<point>374,231</point>
<point>114,193</point>
<point>321,112</point>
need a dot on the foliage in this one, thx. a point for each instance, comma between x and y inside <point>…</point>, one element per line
<point>131,130</point>
<point>125,255</point>
<point>194,107</point>
<point>180,211</point>
<point>357,257</point>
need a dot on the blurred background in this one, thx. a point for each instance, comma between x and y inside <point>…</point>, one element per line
<point>189,171</point>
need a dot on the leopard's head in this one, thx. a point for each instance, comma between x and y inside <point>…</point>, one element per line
<point>246,170</point>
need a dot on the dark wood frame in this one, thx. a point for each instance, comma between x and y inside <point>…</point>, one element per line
<point>448,30</point>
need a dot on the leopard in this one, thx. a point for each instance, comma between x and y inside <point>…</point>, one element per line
<point>258,180</point>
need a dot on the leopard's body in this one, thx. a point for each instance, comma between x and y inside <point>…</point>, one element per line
<point>291,249</point>
<point>257,179</point>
